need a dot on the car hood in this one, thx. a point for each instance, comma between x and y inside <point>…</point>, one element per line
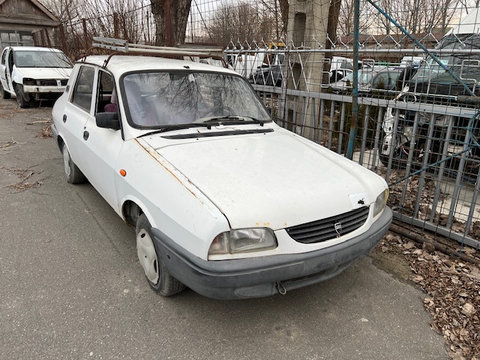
<point>44,73</point>
<point>274,180</point>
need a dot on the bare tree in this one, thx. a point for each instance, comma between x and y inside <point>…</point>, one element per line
<point>171,18</point>
<point>416,16</point>
<point>333,16</point>
<point>279,11</point>
<point>345,18</point>
<point>242,22</point>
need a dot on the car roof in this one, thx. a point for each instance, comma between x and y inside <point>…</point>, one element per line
<point>34,48</point>
<point>121,64</point>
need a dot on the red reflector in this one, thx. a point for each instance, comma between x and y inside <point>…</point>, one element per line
<point>123,172</point>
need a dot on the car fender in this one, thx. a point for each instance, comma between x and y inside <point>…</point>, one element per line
<point>140,204</point>
<point>17,76</point>
<point>169,200</point>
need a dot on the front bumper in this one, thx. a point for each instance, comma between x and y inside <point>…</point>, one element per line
<point>267,275</point>
<point>40,92</point>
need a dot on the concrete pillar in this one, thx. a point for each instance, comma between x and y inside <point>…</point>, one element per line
<point>307,28</point>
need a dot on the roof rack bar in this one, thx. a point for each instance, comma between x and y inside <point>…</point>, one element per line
<point>202,50</point>
<point>122,47</point>
<point>125,47</point>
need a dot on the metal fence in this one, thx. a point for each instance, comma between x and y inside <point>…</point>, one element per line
<point>417,125</point>
<point>420,138</point>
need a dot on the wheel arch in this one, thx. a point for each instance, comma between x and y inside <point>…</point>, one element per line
<point>60,142</point>
<point>132,208</point>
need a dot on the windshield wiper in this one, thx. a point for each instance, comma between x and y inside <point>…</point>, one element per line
<point>177,127</point>
<point>231,120</point>
<point>208,123</point>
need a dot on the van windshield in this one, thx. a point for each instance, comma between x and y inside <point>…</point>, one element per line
<point>40,59</point>
<point>158,99</point>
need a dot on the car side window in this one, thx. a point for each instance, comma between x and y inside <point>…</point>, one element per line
<point>82,92</point>
<point>106,93</point>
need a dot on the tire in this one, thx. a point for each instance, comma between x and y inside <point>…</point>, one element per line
<point>23,100</point>
<point>5,94</point>
<point>155,270</point>
<point>72,172</point>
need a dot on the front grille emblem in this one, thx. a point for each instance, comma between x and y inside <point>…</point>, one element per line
<point>338,228</point>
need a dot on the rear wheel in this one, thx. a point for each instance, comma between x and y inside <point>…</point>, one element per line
<point>72,172</point>
<point>155,270</point>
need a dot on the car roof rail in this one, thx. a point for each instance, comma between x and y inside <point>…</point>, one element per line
<point>123,47</point>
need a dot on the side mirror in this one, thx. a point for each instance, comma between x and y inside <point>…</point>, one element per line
<point>108,120</point>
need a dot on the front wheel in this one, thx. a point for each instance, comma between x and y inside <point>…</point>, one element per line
<point>155,270</point>
<point>23,100</point>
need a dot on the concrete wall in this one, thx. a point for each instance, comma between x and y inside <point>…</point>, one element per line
<point>307,28</point>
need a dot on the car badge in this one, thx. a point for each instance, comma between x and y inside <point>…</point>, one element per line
<point>338,227</point>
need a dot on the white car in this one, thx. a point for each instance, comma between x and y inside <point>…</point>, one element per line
<point>33,73</point>
<point>224,201</point>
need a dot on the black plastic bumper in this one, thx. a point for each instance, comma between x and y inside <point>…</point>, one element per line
<point>268,275</point>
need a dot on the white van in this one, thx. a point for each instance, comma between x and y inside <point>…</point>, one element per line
<point>33,73</point>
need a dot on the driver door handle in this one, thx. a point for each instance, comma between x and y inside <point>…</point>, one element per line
<point>85,135</point>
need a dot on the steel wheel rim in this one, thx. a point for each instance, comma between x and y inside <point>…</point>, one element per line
<point>66,162</point>
<point>147,256</point>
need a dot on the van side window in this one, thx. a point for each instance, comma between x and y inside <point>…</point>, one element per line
<point>82,92</point>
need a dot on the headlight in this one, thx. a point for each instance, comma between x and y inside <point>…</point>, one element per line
<point>380,203</point>
<point>28,81</point>
<point>243,240</point>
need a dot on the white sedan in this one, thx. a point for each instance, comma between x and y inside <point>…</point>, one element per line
<point>224,201</point>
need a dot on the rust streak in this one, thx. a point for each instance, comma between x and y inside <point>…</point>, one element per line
<point>155,155</point>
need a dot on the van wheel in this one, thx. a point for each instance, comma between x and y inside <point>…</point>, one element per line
<point>155,270</point>
<point>23,100</point>
<point>5,94</point>
<point>72,172</point>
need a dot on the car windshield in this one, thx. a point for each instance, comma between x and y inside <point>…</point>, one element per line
<point>364,77</point>
<point>41,59</point>
<point>159,99</point>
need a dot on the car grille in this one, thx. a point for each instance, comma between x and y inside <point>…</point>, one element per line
<point>64,82</point>
<point>47,82</point>
<point>329,228</point>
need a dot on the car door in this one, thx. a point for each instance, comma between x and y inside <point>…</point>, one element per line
<point>102,146</point>
<point>8,73</point>
<point>78,111</point>
<point>4,70</point>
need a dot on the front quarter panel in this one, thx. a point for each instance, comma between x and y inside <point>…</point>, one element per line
<point>170,202</point>
<point>17,76</point>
